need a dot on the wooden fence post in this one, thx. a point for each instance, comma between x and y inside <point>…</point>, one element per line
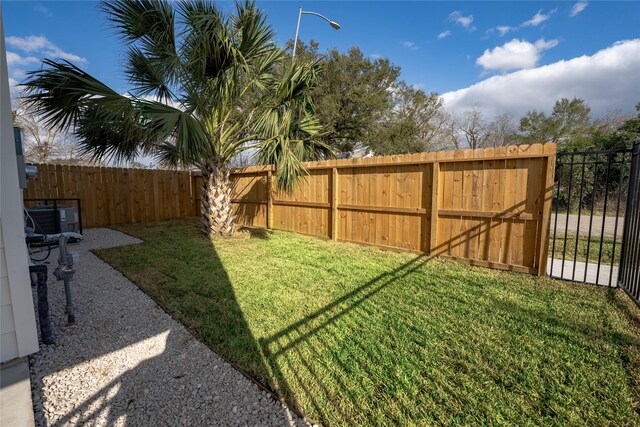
<point>269,199</point>
<point>334,204</point>
<point>433,241</point>
<point>545,218</point>
<point>195,191</point>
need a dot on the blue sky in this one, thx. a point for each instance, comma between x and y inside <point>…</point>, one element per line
<point>471,52</point>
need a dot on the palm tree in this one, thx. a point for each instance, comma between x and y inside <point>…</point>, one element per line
<point>205,86</point>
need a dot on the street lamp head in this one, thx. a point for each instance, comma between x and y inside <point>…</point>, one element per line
<point>301,12</point>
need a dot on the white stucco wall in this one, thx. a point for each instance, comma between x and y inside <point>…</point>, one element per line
<point>18,335</point>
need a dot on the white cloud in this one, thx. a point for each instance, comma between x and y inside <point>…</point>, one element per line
<point>13,59</point>
<point>40,8</point>
<point>29,43</point>
<point>515,54</point>
<point>577,8</point>
<point>42,45</point>
<point>375,55</point>
<point>418,86</point>
<point>504,29</point>
<point>466,21</point>
<point>34,48</point>
<point>607,81</point>
<point>538,19</point>
<point>444,34</point>
<point>543,44</point>
<point>409,45</point>
<point>17,73</point>
<point>14,89</point>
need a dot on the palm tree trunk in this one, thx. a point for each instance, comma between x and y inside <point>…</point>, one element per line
<point>216,212</point>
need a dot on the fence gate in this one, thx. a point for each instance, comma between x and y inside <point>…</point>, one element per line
<point>592,191</point>
<point>629,276</point>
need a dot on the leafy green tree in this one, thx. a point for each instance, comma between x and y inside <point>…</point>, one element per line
<point>535,127</point>
<point>568,125</point>
<point>205,86</point>
<point>597,176</point>
<point>627,134</point>
<point>571,120</point>
<point>351,94</point>
<point>413,123</point>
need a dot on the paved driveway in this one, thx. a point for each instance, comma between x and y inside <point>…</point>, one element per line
<point>571,224</point>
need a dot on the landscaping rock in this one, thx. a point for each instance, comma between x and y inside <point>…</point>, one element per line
<point>127,362</point>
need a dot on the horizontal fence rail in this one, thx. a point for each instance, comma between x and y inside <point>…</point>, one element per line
<point>488,207</point>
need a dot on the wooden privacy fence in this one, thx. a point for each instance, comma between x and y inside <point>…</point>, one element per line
<point>112,196</point>
<point>488,207</point>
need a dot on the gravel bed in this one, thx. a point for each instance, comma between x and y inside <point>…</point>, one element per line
<point>127,362</point>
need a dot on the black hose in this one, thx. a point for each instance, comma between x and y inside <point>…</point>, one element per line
<point>37,252</point>
<point>43,303</point>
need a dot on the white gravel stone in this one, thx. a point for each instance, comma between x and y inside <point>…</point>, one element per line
<point>127,362</point>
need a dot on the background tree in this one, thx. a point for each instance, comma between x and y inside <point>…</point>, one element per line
<point>474,128</point>
<point>425,111</point>
<point>568,125</point>
<point>414,123</point>
<point>351,94</point>
<point>42,143</point>
<point>204,88</point>
<point>625,135</point>
<point>501,131</point>
<point>535,127</point>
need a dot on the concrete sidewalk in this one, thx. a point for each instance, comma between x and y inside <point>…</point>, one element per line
<point>16,406</point>
<point>567,272</point>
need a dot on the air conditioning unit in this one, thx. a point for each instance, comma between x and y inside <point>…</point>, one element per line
<point>54,219</point>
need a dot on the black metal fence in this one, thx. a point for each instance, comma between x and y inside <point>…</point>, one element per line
<point>591,194</point>
<point>629,276</point>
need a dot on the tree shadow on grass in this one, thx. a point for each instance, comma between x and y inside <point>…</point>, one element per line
<point>126,362</point>
<point>306,363</point>
<point>336,364</point>
<point>256,233</point>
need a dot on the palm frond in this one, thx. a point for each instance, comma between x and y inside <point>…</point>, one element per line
<point>166,123</point>
<point>222,90</point>
<point>287,128</point>
<point>207,49</point>
<point>153,64</point>
<point>148,21</point>
<point>103,135</point>
<point>252,36</point>
<point>148,75</point>
<point>60,92</point>
<point>111,125</point>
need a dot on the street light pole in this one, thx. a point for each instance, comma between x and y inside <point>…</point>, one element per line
<point>295,41</point>
<point>300,13</point>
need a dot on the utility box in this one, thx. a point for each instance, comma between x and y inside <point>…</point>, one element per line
<point>54,219</point>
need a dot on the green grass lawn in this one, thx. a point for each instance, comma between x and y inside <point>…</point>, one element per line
<point>358,336</point>
<point>583,244</point>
